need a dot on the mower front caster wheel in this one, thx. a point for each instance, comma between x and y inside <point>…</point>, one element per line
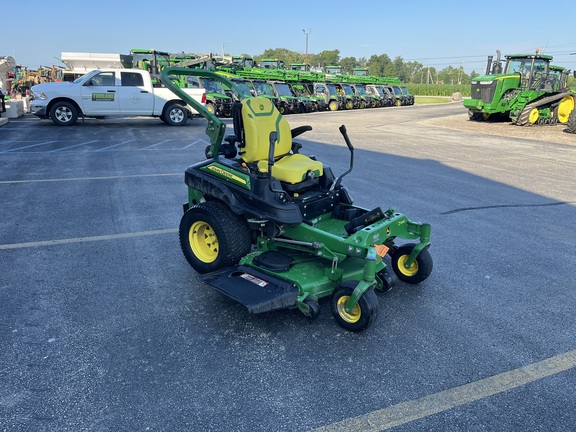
<point>418,271</point>
<point>364,313</point>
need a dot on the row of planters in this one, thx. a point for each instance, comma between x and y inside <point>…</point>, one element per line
<point>301,97</point>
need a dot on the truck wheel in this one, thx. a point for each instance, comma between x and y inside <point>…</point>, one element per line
<point>176,114</point>
<point>420,268</point>
<point>64,113</point>
<point>333,106</point>
<point>364,313</point>
<point>212,236</point>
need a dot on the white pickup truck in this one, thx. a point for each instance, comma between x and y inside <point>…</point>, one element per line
<point>112,92</point>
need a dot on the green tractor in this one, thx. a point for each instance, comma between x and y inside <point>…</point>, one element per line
<point>528,90</point>
<point>272,228</point>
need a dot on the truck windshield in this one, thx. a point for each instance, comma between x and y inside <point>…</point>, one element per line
<point>332,89</point>
<point>212,86</point>
<point>361,90</point>
<point>244,87</point>
<point>283,89</point>
<point>87,76</point>
<point>263,88</point>
<point>347,89</point>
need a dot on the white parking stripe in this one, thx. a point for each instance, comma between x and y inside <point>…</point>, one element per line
<point>416,409</point>
<point>86,178</point>
<point>86,239</point>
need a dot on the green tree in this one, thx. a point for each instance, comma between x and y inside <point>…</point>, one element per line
<point>348,63</point>
<point>326,58</point>
<point>282,54</point>
<point>377,64</point>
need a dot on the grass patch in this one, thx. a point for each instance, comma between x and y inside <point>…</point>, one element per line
<point>431,99</point>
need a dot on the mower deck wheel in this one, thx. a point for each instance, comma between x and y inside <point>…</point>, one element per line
<point>420,268</point>
<point>364,313</point>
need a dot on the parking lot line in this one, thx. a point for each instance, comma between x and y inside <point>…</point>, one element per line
<point>157,144</point>
<point>88,178</point>
<point>114,145</point>
<point>416,409</point>
<point>87,239</point>
<point>72,146</point>
<point>28,146</point>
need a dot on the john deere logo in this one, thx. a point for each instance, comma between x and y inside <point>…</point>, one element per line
<point>261,107</point>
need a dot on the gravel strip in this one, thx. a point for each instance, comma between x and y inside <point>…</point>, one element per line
<point>556,133</point>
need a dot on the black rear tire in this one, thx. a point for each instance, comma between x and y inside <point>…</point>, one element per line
<point>571,124</point>
<point>212,236</point>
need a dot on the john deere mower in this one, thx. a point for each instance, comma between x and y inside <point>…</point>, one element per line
<point>272,228</point>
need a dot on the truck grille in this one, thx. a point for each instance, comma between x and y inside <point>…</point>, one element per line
<point>484,92</point>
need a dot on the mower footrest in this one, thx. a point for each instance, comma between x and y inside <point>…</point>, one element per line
<point>258,291</point>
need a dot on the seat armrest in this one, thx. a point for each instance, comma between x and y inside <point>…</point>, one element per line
<point>300,130</point>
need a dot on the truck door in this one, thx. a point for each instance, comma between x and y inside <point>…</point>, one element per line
<point>134,96</point>
<point>100,95</point>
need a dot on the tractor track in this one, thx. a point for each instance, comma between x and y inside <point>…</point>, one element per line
<point>523,118</point>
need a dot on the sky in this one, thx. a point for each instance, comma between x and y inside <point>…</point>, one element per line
<point>437,34</point>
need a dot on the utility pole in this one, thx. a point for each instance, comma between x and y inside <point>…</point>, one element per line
<point>307,33</point>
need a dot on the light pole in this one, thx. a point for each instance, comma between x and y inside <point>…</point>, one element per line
<point>307,33</point>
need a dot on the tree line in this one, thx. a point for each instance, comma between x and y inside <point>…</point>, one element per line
<point>379,65</point>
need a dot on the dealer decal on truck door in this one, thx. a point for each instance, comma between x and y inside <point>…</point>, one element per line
<point>103,97</point>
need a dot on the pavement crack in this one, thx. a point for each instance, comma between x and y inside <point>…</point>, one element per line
<point>463,209</point>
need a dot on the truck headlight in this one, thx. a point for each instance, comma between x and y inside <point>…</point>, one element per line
<point>38,95</point>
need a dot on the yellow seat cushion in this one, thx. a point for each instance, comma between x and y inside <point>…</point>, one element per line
<point>293,168</point>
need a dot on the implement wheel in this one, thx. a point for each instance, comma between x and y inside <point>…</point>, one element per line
<point>364,313</point>
<point>420,268</point>
<point>212,236</point>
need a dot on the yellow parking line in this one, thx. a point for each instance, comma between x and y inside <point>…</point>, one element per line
<point>87,239</point>
<point>416,409</point>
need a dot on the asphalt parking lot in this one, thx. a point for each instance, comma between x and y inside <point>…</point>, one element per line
<point>105,327</point>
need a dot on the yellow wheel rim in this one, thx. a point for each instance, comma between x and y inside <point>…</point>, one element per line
<point>565,108</point>
<point>352,317</point>
<point>203,241</point>
<point>410,271</point>
<point>534,116</point>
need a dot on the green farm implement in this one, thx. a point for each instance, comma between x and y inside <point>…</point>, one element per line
<point>528,90</point>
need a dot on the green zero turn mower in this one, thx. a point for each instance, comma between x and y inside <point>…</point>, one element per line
<point>273,228</point>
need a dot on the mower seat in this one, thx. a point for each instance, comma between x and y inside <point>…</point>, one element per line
<point>259,118</point>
